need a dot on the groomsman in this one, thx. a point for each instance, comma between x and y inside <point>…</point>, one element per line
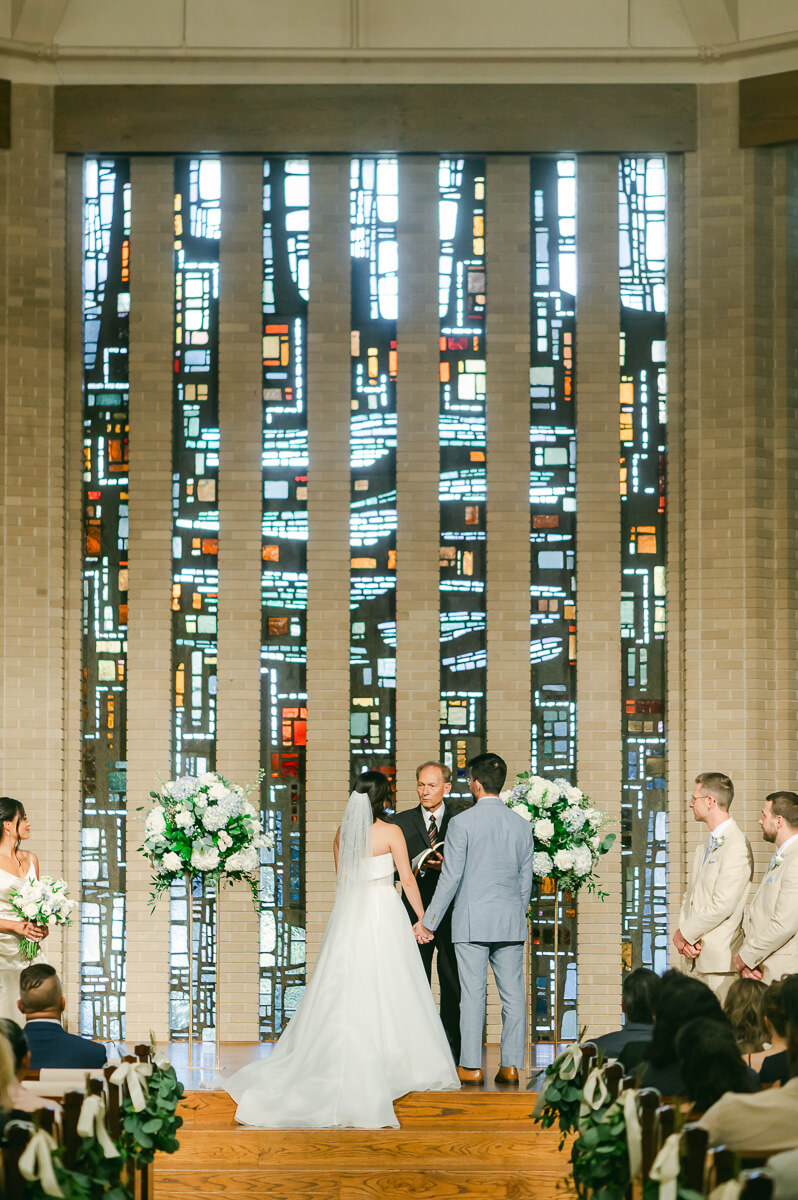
<point>712,909</point>
<point>770,926</point>
<point>425,826</point>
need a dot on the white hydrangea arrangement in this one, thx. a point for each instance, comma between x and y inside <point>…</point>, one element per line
<point>203,825</point>
<point>43,901</point>
<point>567,829</point>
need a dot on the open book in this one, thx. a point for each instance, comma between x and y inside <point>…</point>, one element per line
<point>418,862</point>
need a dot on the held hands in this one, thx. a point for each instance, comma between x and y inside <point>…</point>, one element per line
<point>422,934</point>
<point>746,972</point>
<point>685,948</point>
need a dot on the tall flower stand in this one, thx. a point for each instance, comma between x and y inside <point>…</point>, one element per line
<point>193,975</point>
<point>547,887</point>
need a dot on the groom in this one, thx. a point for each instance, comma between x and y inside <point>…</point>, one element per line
<point>487,872</point>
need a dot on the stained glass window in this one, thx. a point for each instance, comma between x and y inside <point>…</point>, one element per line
<point>195,542</point>
<point>463,483</point>
<point>106,308</point>
<point>552,497</point>
<point>643,399</point>
<point>284,586</point>
<point>374,203</point>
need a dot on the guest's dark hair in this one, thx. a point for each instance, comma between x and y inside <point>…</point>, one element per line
<point>773,1007</point>
<point>639,992</point>
<point>680,999</point>
<point>39,988</point>
<point>789,997</point>
<point>16,1040</point>
<point>743,1007</point>
<point>710,1062</point>
<point>378,789</point>
<point>11,810</point>
<point>489,770</point>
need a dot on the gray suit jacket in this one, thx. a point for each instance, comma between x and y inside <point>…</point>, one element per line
<point>487,872</point>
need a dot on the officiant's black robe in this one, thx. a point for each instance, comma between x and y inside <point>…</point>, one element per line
<point>414,827</point>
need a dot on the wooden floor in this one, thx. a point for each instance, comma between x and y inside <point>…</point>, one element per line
<point>473,1143</point>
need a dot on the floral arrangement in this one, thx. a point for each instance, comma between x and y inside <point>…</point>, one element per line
<point>203,825</point>
<point>560,1097</point>
<point>43,901</point>
<point>566,826</point>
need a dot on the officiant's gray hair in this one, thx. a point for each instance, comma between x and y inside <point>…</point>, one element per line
<point>718,786</point>
<point>445,771</point>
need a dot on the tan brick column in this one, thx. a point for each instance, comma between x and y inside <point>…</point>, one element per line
<point>328,541</point>
<point>730,572</point>
<point>240,508</point>
<point>32,515</point>
<point>417,473</point>
<point>150,577</point>
<point>509,686</point>
<point>598,576</point>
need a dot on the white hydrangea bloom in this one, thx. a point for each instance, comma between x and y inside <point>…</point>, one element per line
<point>542,864</point>
<point>564,860</point>
<point>184,818</point>
<point>155,822</point>
<point>245,860</point>
<point>217,790</point>
<point>172,861</point>
<point>205,860</point>
<point>214,817</point>
<point>583,860</point>
<point>544,829</point>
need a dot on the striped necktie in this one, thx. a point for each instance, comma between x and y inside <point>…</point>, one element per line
<point>432,831</point>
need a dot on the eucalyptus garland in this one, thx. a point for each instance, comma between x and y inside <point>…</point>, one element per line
<point>153,1129</point>
<point>600,1155</point>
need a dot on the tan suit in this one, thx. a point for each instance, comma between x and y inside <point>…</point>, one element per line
<point>770,925</point>
<point>762,1123</point>
<point>712,908</point>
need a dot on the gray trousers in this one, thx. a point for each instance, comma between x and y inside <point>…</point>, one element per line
<point>507,962</point>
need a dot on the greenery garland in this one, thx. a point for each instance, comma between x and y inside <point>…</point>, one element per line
<point>600,1155</point>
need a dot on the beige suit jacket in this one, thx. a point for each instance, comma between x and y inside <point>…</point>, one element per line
<point>771,922</point>
<point>762,1123</point>
<point>712,909</point>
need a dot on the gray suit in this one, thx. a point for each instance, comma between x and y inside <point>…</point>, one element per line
<point>487,872</point>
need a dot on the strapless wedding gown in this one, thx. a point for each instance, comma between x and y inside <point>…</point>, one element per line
<point>366,1031</point>
<point>11,960</point>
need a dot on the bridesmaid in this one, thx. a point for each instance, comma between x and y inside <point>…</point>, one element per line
<point>16,864</point>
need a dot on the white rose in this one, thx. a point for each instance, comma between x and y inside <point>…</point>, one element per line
<point>572,794</point>
<point>214,817</point>
<point>537,788</point>
<point>542,864</point>
<point>595,819</point>
<point>205,860</point>
<point>564,860</point>
<point>595,843</point>
<point>506,795</point>
<point>583,860</point>
<point>522,811</point>
<point>544,829</point>
<point>172,862</point>
<point>208,778</point>
<point>156,822</point>
<point>245,860</point>
<point>184,818</point>
<point>217,791</point>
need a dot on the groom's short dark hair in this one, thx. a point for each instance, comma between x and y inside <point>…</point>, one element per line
<point>489,770</point>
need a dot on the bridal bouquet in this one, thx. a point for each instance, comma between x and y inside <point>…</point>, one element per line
<point>565,825</point>
<point>203,825</point>
<point>43,901</point>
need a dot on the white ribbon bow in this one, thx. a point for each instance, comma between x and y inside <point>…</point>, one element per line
<point>135,1075</point>
<point>570,1061</point>
<point>730,1190</point>
<point>665,1168</point>
<point>36,1162</point>
<point>91,1123</point>
<point>595,1093</point>
<point>634,1134</point>
<point>160,1061</point>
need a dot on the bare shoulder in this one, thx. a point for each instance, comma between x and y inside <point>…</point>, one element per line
<point>385,836</point>
<point>29,859</point>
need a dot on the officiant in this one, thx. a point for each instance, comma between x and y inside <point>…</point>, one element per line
<point>424,828</point>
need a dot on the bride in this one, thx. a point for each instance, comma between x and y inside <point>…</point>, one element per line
<point>16,865</point>
<point>367,1030</point>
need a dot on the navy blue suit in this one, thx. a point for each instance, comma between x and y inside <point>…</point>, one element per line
<point>51,1046</point>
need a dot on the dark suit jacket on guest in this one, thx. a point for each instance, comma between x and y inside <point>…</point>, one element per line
<point>611,1044</point>
<point>51,1046</point>
<point>413,826</point>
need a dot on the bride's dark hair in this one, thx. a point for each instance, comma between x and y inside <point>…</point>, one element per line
<point>376,786</point>
<point>11,810</point>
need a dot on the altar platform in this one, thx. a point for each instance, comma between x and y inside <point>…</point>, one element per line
<point>478,1142</point>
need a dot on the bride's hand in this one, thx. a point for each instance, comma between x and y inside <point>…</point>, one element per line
<point>33,933</point>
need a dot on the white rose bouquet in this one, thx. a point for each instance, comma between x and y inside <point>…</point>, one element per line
<point>567,829</point>
<point>203,825</point>
<point>43,901</point>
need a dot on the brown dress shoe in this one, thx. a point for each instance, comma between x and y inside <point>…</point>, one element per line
<point>470,1075</point>
<point>507,1075</point>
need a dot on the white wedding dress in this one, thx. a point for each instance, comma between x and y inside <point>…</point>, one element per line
<point>367,1030</point>
<point>12,961</point>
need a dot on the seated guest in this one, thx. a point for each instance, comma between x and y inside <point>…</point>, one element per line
<point>681,998</point>
<point>783,1170</point>
<point>41,1002</point>
<point>22,1100</point>
<point>711,1064</point>
<point>772,1063</point>
<point>768,1122</point>
<point>743,1007</point>
<point>638,993</point>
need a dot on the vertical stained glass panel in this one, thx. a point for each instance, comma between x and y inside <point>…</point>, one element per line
<point>643,400</point>
<point>463,482</point>
<point>374,201</point>
<point>284,586</point>
<point>552,496</point>
<point>106,308</point>
<point>195,543</point>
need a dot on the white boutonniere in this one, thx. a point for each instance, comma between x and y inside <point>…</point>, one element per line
<point>777,861</point>
<point>720,841</point>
